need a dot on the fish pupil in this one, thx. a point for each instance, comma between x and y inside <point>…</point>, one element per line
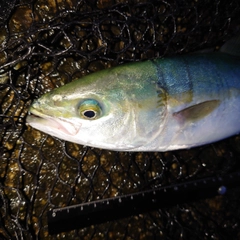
<point>89,114</point>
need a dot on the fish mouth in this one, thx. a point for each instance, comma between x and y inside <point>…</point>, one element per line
<point>51,125</point>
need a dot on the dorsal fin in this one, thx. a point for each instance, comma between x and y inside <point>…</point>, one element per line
<point>232,46</point>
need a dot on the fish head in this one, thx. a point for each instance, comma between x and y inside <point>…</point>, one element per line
<point>110,109</point>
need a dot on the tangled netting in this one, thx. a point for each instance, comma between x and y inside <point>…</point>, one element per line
<point>47,43</point>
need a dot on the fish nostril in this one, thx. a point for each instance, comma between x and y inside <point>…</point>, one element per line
<point>57,98</point>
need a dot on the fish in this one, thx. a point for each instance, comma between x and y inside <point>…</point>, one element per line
<point>162,104</point>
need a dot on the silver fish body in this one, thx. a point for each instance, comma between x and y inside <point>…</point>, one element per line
<point>156,105</point>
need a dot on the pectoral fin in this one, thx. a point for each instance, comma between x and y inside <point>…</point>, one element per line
<point>196,112</point>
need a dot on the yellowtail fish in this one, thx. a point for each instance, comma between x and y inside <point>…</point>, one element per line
<point>155,105</point>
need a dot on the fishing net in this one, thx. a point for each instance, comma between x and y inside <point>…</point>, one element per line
<point>48,43</point>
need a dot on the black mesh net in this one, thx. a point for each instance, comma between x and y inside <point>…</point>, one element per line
<point>47,43</point>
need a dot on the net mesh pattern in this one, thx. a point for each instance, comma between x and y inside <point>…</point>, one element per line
<point>48,43</point>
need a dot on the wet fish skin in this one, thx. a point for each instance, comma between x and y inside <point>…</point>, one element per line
<point>155,105</point>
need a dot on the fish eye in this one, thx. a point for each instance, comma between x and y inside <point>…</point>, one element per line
<point>89,114</point>
<point>90,109</point>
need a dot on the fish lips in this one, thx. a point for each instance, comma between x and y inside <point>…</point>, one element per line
<point>53,126</point>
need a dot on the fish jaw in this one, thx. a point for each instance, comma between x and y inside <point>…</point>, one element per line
<point>54,126</point>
